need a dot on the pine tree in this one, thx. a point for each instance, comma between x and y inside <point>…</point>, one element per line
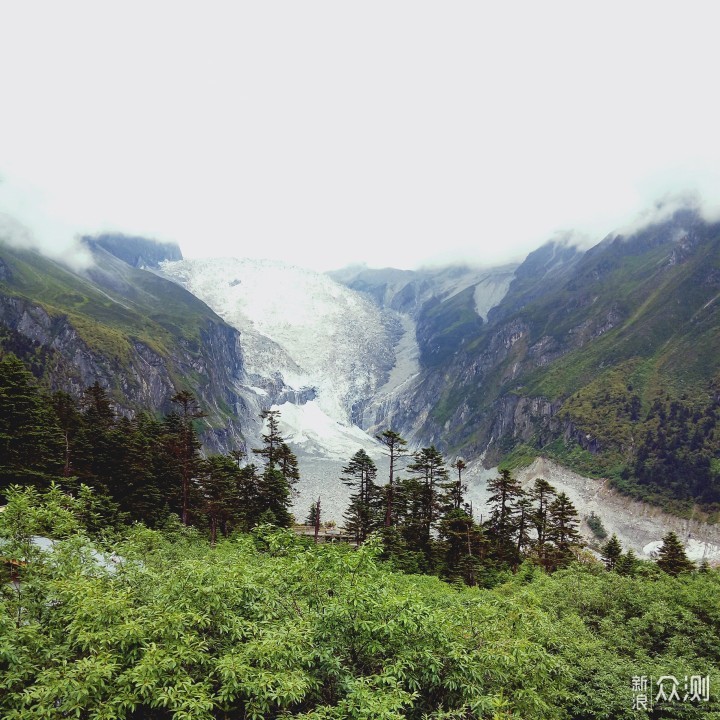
<point>272,439</point>
<point>274,498</point>
<point>185,446</point>
<point>543,494</point>
<point>280,474</point>
<point>395,449</point>
<point>218,485</point>
<point>31,447</point>
<point>70,422</point>
<point>671,556</point>
<point>505,493</point>
<point>249,494</point>
<point>562,528</point>
<point>611,552</point>
<point>276,451</point>
<point>524,511</point>
<point>360,473</point>
<point>144,468</point>
<point>312,515</point>
<point>94,452</point>
<point>626,563</point>
<point>458,490</point>
<point>465,546</point>
<point>288,466</point>
<point>429,468</point>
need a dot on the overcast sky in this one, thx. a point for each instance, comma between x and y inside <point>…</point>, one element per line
<point>325,133</point>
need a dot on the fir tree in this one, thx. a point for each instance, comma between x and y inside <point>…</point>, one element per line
<point>280,474</point>
<point>274,498</point>
<point>562,528</point>
<point>272,439</point>
<point>611,552</point>
<point>458,490</point>
<point>218,485</point>
<point>360,473</point>
<point>395,446</point>
<point>524,511</point>
<point>312,515</point>
<point>671,556</point>
<point>288,466</point>
<point>505,492</point>
<point>626,563</point>
<point>429,468</point>
<point>30,440</point>
<point>543,494</point>
<point>69,420</point>
<point>465,546</point>
<point>185,446</point>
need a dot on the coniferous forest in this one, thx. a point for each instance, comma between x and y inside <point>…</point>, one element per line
<point>144,579</point>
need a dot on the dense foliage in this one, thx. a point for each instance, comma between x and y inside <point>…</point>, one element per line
<point>140,469</point>
<point>163,625</point>
<point>663,453</point>
<point>153,603</point>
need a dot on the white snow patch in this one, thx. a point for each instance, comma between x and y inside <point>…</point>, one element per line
<point>257,390</point>
<point>310,428</point>
<point>491,290</point>
<point>296,322</point>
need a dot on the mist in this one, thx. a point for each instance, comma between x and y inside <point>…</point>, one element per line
<point>68,251</point>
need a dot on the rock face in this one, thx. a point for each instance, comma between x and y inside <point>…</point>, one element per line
<point>141,361</point>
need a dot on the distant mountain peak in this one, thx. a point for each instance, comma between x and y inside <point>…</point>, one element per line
<point>135,250</point>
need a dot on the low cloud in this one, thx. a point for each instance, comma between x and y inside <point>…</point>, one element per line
<point>70,252</point>
<point>29,228</point>
<point>663,210</point>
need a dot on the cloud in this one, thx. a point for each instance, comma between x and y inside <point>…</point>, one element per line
<point>54,244</point>
<point>661,211</point>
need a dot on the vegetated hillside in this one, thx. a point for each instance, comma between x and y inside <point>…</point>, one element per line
<point>605,360</point>
<point>140,336</point>
<point>160,624</point>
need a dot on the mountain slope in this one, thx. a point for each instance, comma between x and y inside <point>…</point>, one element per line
<point>635,315</point>
<point>141,336</point>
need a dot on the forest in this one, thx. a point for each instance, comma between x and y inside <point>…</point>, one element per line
<point>169,584</point>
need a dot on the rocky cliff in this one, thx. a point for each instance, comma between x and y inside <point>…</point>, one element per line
<point>141,337</point>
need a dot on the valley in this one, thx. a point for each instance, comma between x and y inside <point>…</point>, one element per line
<point>484,363</point>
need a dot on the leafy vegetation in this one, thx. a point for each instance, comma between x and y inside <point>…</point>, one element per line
<point>160,624</point>
<point>195,617</point>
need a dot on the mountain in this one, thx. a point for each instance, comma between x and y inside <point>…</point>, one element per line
<point>136,251</point>
<point>582,359</point>
<point>605,360</point>
<point>142,337</point>
<point>438,308</point>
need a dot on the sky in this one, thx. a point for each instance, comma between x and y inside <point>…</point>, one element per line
<point>326,133</point>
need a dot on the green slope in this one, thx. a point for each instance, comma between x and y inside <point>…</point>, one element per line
<point>600,338</point>
<point>142,336</point>
<point>110,304</point>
